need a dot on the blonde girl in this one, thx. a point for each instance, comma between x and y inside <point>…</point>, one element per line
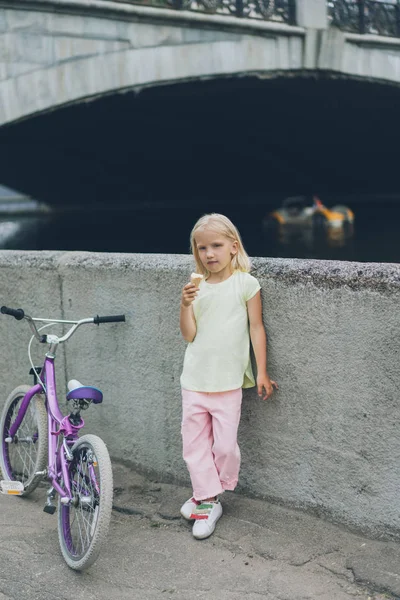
<point>217,319</point>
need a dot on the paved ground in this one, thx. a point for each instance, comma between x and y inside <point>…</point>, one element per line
<point>258,551</point>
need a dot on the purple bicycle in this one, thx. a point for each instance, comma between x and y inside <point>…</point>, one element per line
<point>38,442</point>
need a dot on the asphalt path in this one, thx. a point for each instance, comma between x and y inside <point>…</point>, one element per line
<point>258,551</point>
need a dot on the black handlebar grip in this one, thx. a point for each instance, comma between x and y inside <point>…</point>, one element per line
<point>18,313</point>
<point>112,319</point>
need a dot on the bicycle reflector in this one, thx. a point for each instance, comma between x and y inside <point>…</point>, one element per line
<point>14,488</point>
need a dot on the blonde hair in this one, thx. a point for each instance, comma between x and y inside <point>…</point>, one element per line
<point>220,224</point>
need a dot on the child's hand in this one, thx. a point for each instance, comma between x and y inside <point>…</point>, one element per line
<point>189,293</point>
<point>265,383</point>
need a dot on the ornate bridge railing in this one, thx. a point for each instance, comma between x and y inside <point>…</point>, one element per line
<point>381,17</point>
<point>283,11</point>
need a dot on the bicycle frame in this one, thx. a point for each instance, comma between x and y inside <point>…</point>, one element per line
<point>58,425</point>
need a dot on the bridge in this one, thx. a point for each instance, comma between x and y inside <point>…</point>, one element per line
<point>130,100</point>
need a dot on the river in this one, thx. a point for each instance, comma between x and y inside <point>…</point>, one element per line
<point>161,229</point>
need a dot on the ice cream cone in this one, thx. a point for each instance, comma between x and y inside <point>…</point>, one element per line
<point>196,278</point>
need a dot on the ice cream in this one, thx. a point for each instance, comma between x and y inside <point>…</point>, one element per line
<point>196,278</point>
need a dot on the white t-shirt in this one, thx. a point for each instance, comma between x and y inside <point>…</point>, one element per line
<point>218,359</point>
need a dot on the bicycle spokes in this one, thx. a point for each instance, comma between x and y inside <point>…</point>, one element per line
<point>80,516</point>
<point>22,449</point>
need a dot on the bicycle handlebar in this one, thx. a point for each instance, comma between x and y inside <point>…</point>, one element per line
<point>111,319</point>
<point>17,313</point>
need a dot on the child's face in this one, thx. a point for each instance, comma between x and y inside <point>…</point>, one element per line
<point>215,250</point>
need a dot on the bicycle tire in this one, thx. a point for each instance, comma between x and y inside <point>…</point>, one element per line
<point>92,516</point>
<point>21,460</point>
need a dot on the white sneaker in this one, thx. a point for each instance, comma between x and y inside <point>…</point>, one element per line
<point>188,509</point>
<point>206,516</point>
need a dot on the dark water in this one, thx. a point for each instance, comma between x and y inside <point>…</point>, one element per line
<point>166,230</point>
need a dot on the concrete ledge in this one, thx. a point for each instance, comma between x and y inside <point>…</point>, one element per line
<point>330,274</point>
<point>126,10</point>
<point>328,441</point>
<point>370,40</point>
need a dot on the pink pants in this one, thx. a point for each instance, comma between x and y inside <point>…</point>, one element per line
<point>210,422</point>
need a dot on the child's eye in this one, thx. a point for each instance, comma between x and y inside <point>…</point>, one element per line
<point>217,245</point>
<point>200,248</point>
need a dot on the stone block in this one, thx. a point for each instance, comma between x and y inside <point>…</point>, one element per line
<point>63,24</point>
<point>31,47</point>
<point>5,101</point>
<point>105,29</point>
<point>14,69</point>
<point>3,21</point>
<point>148,35</point>
<point>66,47</point>
<point>331,50</point>
<point>296,52</point>
<point>312,14</point>
<point>205,36</point>
<point>3,70</point>
<point>26,20</point>
<point>5,50</point>
<point>32,93</point>
<point>371,61</point>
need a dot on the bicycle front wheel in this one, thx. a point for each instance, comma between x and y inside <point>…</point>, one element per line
<point>24,455</point>
<point>83,523</point>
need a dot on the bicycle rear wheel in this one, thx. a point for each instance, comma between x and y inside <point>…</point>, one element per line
<point>26,454</point>
<point>83,524</point>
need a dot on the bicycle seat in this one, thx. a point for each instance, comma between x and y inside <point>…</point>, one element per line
<point>77,391</point>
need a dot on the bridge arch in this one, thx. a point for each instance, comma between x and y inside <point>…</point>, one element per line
<point>81,80</point>
<point>97,88</point>
<point>227,138</point>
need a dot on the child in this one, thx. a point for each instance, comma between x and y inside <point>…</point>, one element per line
<point>214,319</point>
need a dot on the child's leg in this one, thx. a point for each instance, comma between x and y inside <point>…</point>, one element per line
<point>197,440</point>
<point>225,422</point>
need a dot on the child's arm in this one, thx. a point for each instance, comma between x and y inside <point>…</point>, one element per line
<point>187,320</point>
<point>259,343</point>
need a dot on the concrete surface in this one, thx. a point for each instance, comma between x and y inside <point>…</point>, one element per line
<point>257,551</point>
<point>61,46</point>
<point>56,52</point>
<point>328,440</point>
<point>312,14</point>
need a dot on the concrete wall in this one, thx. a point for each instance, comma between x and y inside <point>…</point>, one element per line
<point>328,441</point>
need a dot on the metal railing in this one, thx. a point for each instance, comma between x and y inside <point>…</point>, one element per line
<point>283,11</point>
<point>380,17</point>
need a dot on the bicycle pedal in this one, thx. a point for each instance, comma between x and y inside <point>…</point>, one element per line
<point>50,509</point>
<point>11,488</point>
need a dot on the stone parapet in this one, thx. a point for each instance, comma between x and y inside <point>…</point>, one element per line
<point>328,440</point>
